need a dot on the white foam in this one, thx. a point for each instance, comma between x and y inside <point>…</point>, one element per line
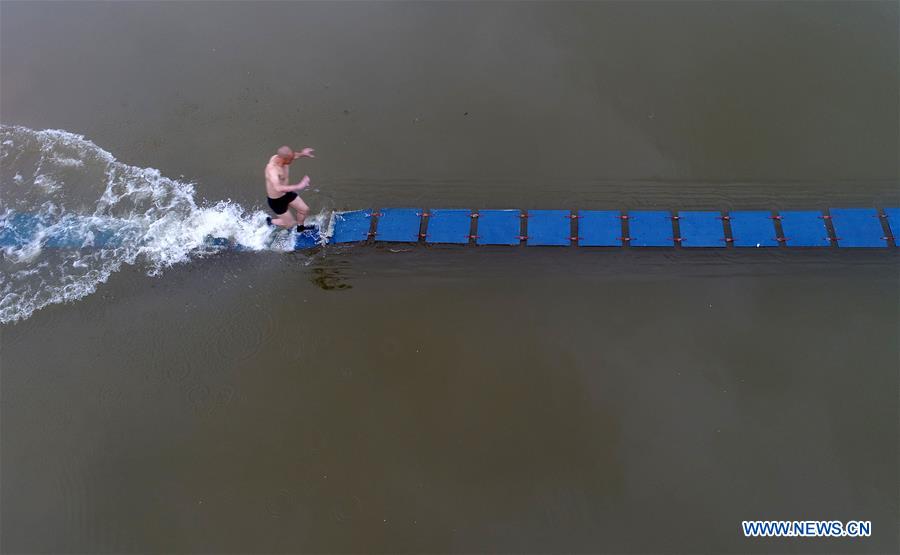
<point>159,221</point>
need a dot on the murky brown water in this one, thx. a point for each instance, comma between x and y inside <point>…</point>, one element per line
<point>472,399</point>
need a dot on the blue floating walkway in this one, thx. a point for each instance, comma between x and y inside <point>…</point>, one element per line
<point>351,227</point>
<point>804,228</point>
<point>69,232</point>
<point>701,229</point>
<point>549,228</point>
<point>449,225</point>
<point>753,228</point>
<point>599,228</point>
<point>857,227</point>
<point>498,227</point>
<point>650,228</point>
<point>853,228</point>
<point>398,225</point>
<point>893,219</point>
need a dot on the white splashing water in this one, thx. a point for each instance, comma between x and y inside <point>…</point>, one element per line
<point>70,183</point>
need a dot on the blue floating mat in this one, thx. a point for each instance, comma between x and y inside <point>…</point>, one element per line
<point>804,228</point>
<point>498,227</point>
<point>599,228</point>
<point>76,233</point>
<point>351,227</point>
<point>650,228</point>
<point>893,218</point>
<point>65,239</point>
<point>18,229</point>
<point>308,239</point>
<point>701,229</point>
<point>398,225</point>
<point>449,225</point>
<point>753,228</point>
<point>857,227</point>
<point>105,237</point>
<point>549,228</point>
<point>220,242</point>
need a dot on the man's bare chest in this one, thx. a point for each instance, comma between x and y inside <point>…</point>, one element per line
<point>282,174</point>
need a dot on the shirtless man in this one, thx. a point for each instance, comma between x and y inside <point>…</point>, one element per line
<point>281,195</point>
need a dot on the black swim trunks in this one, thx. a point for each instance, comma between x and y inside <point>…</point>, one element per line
<point>279,205</point>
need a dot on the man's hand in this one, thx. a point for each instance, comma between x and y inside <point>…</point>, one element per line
<point>305,153</point>
<point>303,184</point>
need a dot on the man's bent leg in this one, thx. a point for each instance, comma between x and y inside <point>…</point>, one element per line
<point>301,208</point>
<point>285,220</point>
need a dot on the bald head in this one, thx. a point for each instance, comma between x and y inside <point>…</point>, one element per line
<point>286,153</point>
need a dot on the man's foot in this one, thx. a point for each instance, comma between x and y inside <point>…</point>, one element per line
<point>302,228</point>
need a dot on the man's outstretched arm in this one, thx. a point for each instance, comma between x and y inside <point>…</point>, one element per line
<point>303,184</point>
